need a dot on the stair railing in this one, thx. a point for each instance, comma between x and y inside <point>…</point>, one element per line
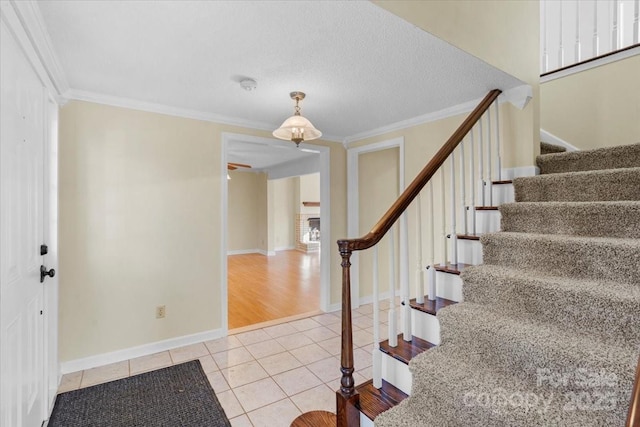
<point>633,417</point>
<point>347,397</point>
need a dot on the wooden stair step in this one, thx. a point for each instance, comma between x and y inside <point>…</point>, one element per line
<point>486,208</point>
<point>452,268</point>
<point>373,402</point>
<point>505,181</point>
<point>406,350</point>
<point>431,306</point>
<point>469,236</point>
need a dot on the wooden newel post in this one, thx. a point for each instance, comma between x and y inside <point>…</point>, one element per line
<point>346,398</point>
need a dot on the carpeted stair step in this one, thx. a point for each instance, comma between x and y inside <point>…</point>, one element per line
<point>604,310</point>
<point>624,156</point>
<point>594,258</point>
<point>601,185</point>
<point>595,219</point>
<point>546,148</point>
<point>455,387</point>
<point>520,346</point>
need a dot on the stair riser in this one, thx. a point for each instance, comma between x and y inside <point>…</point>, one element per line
<point>577,219</point>
<point>597,260</point>
<point>448,286</point>
<point>487,221</point>
<point>503,193</point>
<point>469,251</point>
<point>396,373</point>
<point>526,297</point>
<point>621,184</point>
<point>425,326</point>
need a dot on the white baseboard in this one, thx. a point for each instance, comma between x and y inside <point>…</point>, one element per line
<point>550,138</point>
<point>243,251</point>
<point>383,296</point>
<point>138,351</point>
<point>266,253</point>
<point>285,248</point>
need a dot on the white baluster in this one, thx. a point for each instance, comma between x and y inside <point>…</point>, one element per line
<point>498,147</point>
<point>472,182</point>
<point>561,47</point>
<point>578,53</point>
<point>405,288</point>
<point>431,271</point>
<point>453,234</point>
<point>375,352</point>
<point>419,266</point>
<point>614,25</point>
<point>489,169</point>
<point>596,37</point>
<point>462,189</point>
<point>481,163</point>
<point>444,216</point>
<point>636,25</point>
<point>393,326</point>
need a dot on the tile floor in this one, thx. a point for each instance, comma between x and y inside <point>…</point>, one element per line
<point>267,376</point>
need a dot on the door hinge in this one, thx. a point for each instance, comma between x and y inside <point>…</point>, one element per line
<point>40,312</point>
<point>44,249</point>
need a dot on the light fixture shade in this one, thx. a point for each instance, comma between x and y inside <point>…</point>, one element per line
<point>297,128</point>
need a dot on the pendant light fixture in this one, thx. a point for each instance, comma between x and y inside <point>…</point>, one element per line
<point>297,128</point>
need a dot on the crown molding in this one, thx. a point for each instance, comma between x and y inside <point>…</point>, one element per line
<point>33,25</point>
<point>518,96</point>
<point>116,101</point>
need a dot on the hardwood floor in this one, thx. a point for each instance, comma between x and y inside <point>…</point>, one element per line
<point>263,288</point>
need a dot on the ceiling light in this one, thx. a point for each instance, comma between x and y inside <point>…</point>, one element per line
<point>296,128</point>
<point>248,84</point>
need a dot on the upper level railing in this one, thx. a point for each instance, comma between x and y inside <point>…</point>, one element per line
<point>347,397</point>
<point>573,31</point>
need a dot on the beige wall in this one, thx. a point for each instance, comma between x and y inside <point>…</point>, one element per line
<point>309,192</point>
<point>244,210</point>
<point>138,213</point>
<point>596,108</point>
<point>140,226</point>
<point>284,212</point>
<point>505,34</point>
<point>378,179</point>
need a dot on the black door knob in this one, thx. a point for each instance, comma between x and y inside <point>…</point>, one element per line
<point>44,273</point>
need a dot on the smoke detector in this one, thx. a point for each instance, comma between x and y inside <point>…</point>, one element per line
<point>248,84</point>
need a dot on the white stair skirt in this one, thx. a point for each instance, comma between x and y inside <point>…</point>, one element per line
<point>487,221</point>
<point>503,193</point>
<point>396,373</point>
<point>426,326</point>
<point>449,286</point>
<point>365,421</point>
<point>469,251</point>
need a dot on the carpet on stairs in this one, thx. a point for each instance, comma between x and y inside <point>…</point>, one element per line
<point>549,333</point>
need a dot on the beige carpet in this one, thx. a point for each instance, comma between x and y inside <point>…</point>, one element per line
<point>549,333</point>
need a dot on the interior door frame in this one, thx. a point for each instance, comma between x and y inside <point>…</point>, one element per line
<point>325,214</point>
<point>353,203</point>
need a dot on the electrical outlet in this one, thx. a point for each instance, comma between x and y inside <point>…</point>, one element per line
<point>161,310</point>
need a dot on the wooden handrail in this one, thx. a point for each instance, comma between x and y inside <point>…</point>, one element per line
<point>633,418</point>
<point>347,398</point>
<point>410,193</point>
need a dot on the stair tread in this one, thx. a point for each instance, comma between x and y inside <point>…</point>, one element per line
<point>431,306</point>
<point>373,402</point>
<point>452,268</point>
<point>486,208</point>
<point>406,350</point>
<point>469,236</point>
<point>502,182</point>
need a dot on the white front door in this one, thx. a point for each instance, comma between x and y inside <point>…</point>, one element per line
<point>21,234</point>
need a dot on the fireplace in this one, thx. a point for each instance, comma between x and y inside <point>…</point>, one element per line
<point>307,233</point>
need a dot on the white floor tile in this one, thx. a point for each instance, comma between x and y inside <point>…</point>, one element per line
<point>258,394</point>
<point>279,414</point>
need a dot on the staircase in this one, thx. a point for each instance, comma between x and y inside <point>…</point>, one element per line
<point>549,330</point>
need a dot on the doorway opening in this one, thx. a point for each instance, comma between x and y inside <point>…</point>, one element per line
<point>276,230</point>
